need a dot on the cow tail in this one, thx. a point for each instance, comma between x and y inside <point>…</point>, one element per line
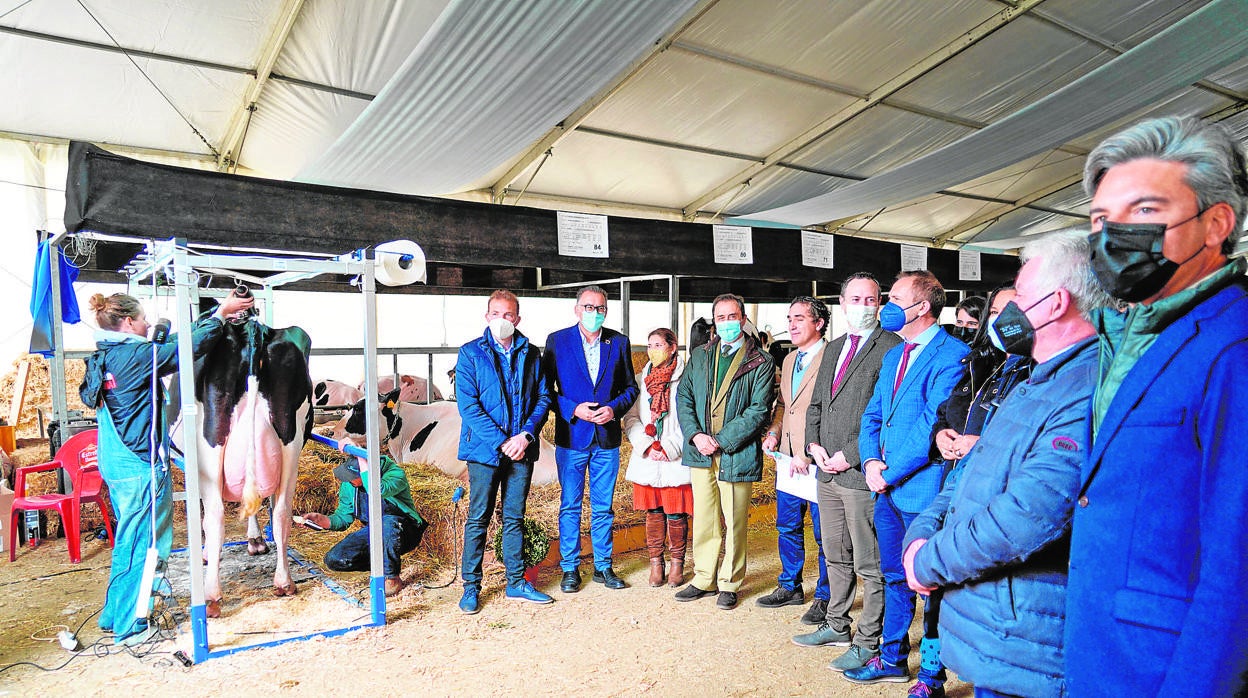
<point>251,496</point>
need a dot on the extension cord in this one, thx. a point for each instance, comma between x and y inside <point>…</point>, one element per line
<point>67,640</point>
<point>142,606</point>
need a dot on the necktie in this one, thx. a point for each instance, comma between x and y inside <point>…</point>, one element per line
<point>723,351</point>
<point>801,356</point>
<point>840,373</point>
<point>901,370</point>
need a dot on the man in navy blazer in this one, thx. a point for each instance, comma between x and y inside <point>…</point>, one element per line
<point>1156,602</point>
<point>893,442</point>
<point>590,373</point>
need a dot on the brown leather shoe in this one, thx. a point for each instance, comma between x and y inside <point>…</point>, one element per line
<point>676,572</point>
<point>394,585</point>
<point>656,571</point>
<point>677,540</point>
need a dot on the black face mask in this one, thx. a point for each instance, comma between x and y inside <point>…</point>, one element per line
<point>1012,332</point>
<point>1128,260</point>
<point>965,334</point>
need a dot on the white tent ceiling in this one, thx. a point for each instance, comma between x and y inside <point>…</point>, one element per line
<point>702,109</point>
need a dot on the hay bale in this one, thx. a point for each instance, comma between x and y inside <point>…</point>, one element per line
<point>39,392</point>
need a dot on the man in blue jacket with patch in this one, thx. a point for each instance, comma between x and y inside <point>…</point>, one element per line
<point>996,539</point>
<point>589,370</point>
<point>1159,554</point>
<point>502,400</point>
<point>893,442</point>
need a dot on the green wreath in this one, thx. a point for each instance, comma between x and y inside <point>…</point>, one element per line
<point>536,543</point>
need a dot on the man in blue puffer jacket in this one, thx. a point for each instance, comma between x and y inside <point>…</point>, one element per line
<point>997,538</point>
<point>503,401</point>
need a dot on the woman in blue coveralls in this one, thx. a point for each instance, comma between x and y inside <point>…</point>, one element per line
<point>121,382</point>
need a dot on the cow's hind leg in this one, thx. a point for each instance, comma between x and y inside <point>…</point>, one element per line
<point>282,502</point>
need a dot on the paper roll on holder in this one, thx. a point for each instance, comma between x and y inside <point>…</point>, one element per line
<point>399,263</point>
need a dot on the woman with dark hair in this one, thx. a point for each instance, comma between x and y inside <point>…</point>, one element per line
<point>660,482</point>
<point>122,383</point>
<point>988,377</point>
<point>966,317</point>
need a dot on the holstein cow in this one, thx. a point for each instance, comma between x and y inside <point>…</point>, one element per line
<point>415,433</point>
<point>329,393</point>
<point>255,398</point>
<point>411,388</point>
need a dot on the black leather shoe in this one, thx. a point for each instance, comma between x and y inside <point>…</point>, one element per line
<point>727,600</point>
<point>692,593</point>
<point>782,597</point>
<point>608,578</point>
<point>571,582</point>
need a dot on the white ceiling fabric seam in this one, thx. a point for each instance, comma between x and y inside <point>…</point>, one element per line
<point>485,82</point>
<point>1194,47</point>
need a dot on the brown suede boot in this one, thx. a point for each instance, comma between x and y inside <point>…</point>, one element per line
<point>655,531</point>
<point>677,534</point>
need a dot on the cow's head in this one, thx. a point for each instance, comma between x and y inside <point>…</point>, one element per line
<point>354,421</point>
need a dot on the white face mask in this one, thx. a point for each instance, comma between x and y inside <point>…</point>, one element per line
<point>501,328</point>
<point>861,317</point>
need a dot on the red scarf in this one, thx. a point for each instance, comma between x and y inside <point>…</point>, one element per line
<point>657,381</point>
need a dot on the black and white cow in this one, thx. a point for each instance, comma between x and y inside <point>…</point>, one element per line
<point>255,399</point>
<point>331,393</point>
<point>416,433</point>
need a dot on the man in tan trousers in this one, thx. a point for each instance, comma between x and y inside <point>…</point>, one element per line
<point>724,404</point>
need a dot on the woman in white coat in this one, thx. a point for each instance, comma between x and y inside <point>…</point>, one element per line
<point>660,483</point>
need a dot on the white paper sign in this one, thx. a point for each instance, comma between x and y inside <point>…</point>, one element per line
<point>798,485</point>
<point>734,244</point>
<point>816,249</point>
<point>913,257</point>
<point>968,266</point>
<point>582,234</point>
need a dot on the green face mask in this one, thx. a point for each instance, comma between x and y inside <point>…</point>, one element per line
<point>592,322</point>
<point>728,330</point>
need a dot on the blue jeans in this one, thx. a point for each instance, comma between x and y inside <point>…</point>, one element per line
<point>508,483</point>
<point>790,525</point>
<point>399,535</point>
<point>989,693</point>
<point>899,600</point>
<point>129,480</point>
<point>602,465</point>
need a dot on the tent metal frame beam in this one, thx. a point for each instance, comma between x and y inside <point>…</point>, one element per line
<point>232,143</point>
<point>182,60</point>
<point>553,136</point>
<point>877,96</point>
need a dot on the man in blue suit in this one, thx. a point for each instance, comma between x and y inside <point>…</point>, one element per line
<point>1156,603</point>
<point>590,373</point>
<point>893,442</point>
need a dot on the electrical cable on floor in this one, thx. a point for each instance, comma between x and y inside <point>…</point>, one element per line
<point>458,495</point>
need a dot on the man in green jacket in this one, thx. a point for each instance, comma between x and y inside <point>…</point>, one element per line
<point>402,525</point>
<point>724,405</point>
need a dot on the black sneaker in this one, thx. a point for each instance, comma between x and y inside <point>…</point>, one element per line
<point>571,582</point>
<point>817,613</point>
<point>727,600</point>
<point>782,597</point>
<point>692,593</point>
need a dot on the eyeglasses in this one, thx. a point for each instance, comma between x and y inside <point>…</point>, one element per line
<point>590,308</point>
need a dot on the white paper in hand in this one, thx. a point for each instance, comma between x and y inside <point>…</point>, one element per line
<point>797,485</point>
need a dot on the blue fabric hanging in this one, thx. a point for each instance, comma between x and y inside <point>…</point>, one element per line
<point>41,299</point>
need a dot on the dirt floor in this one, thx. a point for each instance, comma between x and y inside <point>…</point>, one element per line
<point>595,642</point>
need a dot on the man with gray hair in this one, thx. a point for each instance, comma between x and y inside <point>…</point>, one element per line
<point>996,539</point>
<point>589,373</point>
<point>1158,571</point>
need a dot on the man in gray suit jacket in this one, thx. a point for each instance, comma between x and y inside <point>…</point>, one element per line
<point>847,377</point>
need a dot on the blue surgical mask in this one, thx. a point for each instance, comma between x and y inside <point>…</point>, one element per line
<point>728,330</point>
<point>893,316</point>
<point>592,322</point>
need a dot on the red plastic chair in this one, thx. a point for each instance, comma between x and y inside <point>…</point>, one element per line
<point>78,458</point>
